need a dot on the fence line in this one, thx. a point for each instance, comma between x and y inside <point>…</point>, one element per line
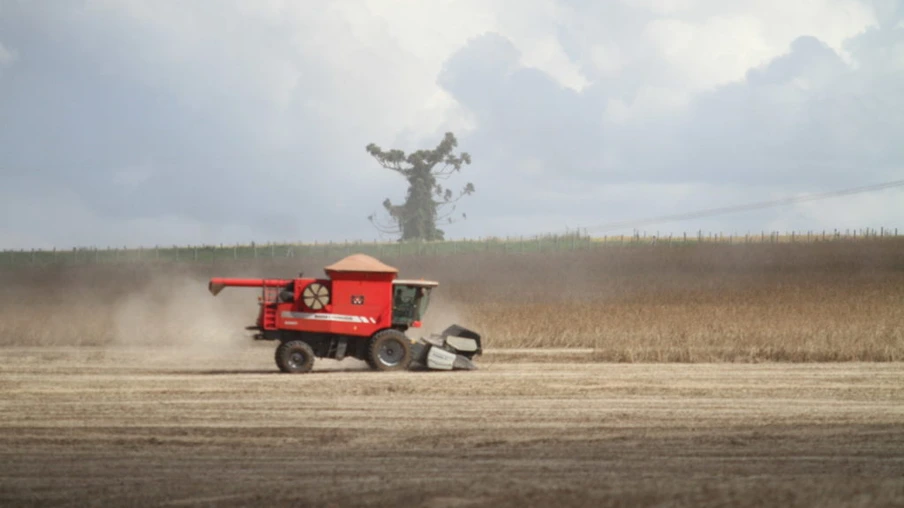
<point>508,245</point>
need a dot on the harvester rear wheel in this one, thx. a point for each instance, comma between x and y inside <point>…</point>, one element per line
<point>389,350</point>
<point>295,357</point>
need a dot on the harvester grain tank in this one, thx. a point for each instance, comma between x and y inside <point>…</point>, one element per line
<point>360,310</point>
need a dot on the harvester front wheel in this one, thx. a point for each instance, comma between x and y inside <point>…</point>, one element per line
<point>389,350</point>
<point>295,357</point>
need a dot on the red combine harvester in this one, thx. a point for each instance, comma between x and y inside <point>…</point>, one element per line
<point>361,311</point>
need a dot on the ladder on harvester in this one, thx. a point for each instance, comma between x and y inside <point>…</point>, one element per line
<point>270,296</point>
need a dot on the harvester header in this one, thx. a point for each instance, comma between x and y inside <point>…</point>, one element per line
<point>361,309</point>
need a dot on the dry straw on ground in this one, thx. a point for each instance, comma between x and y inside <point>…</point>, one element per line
<point>99,427</point>
<point>827,301</point>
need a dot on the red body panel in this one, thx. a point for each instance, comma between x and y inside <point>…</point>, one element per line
<point>360,304</point>
<point>356,307</point>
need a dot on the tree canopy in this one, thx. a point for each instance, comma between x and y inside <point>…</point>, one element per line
<point>427,203</point>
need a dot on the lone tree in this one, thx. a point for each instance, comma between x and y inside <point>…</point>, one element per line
<point>428,202</point>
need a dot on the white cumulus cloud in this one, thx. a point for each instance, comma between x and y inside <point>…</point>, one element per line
<point>7,55</point>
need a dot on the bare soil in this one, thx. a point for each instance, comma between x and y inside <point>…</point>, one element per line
<point>173,427</point>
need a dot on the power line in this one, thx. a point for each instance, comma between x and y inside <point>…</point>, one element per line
<point>600,228</point>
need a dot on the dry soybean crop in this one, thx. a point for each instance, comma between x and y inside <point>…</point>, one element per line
<point>823,301</point>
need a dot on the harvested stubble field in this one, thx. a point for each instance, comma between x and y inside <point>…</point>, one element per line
<point>131,385</point>
<point>170,427</point>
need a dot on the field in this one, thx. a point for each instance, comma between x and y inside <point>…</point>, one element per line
<point>827,301</point>
<point>645,374</point>
<point>550,243</point>
<point>153,427</point>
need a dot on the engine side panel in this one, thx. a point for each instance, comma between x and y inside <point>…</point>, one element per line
<point>357,308</point>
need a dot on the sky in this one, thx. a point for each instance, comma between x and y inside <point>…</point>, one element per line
<point>157,122</point>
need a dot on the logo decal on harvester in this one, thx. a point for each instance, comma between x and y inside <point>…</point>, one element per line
<point>311,316</point>
<point>357,299</point>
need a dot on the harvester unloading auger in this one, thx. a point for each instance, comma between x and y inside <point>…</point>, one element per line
<point>361,311</point>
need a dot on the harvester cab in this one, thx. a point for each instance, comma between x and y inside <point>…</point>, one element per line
<point>410,301</point>
<point>360,310</point>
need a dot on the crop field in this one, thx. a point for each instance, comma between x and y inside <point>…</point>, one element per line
<point>831,301</point>
<point>549,243</point>
<point>644,374</point>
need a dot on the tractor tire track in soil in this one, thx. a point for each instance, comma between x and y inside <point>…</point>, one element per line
<point>132,426</point>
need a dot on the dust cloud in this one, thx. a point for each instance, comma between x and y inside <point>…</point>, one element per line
<point>175,320</point>
<point>175,316</point>
<point>441,314</point>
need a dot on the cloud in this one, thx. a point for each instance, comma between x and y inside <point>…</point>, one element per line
<point>521,112</point>
<point>246,121</point>
<point>803,116</point>
<point>7,56</point>
<point>228,130</point>
<point>805,120</point>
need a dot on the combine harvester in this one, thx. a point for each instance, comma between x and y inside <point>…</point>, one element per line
<point>361,311</point>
